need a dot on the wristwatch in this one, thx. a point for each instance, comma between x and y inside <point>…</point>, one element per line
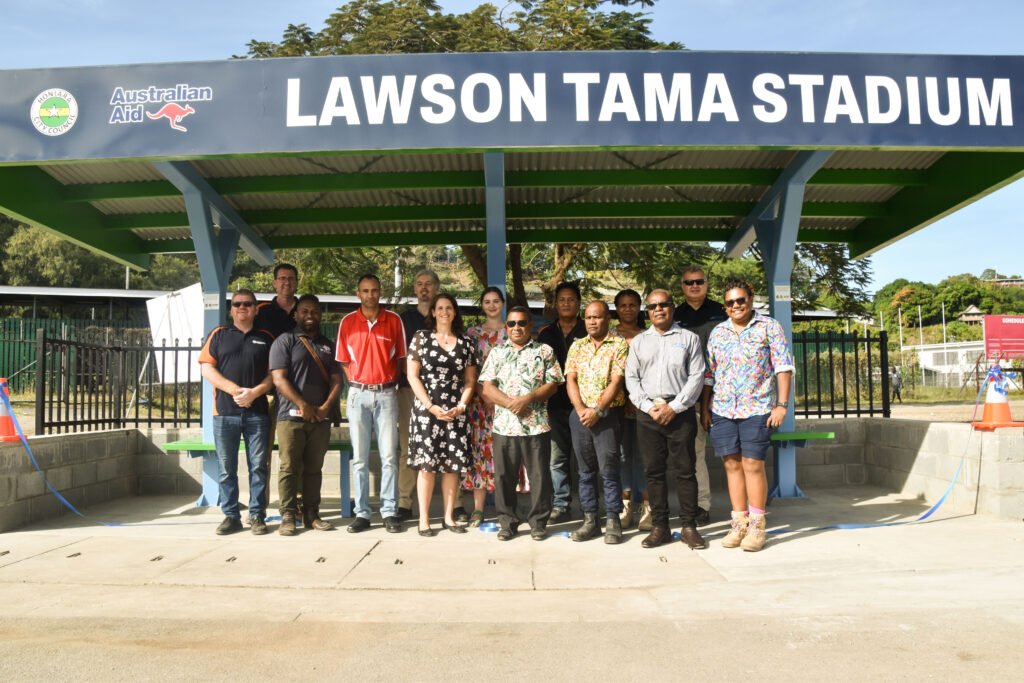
<point>601,412</point>
<point>782,404</point>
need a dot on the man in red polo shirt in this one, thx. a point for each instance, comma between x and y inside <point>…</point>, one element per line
<point>371,344</point>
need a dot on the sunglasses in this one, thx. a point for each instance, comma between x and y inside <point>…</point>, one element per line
<point>657,305</point>
<point>517,323</point>
<point>741,301</point>
<point>242,304</point>
<point>691,283</point>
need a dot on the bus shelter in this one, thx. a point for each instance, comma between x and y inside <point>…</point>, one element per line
<point>210,157</point>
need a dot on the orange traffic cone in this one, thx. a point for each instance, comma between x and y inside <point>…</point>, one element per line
<point>997,409</point>
<point>7,432</point>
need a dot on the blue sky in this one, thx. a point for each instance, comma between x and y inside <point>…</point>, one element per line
<point>983,235</point>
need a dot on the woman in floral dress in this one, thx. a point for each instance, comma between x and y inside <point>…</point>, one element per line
<point>480,477</point>
<point>443,367</point>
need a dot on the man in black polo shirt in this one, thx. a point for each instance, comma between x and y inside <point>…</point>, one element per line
<point>235,361</point>
<point>278,315</point>
<point>308,383</point>
<point>426,285</point>
<point>700,315</point>
<point>560,335</point>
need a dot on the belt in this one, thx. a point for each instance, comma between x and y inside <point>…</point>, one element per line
<point>373,387</point>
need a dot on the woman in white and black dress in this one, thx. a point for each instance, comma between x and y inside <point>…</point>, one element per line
<point>442,368</point>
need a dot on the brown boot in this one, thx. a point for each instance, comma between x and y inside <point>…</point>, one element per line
<point>311,520</point>
<point>755,538</point>
<point>287,527</point>
<point>626,516</point>
<point>738,530</point>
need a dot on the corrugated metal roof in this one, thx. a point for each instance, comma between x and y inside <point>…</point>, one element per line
<point>896,159</point>
<point>102,172</point>
<point>660,159</point>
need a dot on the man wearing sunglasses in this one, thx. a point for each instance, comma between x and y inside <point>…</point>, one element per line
<point>699,315</point>
<point>235,360</point>
<point>519,376</point>
<point>665,378</point>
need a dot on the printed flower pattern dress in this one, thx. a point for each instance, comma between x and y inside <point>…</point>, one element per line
<point>481,418</point>
<point>435,445</point>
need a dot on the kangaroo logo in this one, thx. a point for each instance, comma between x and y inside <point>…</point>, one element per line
<point>174,113</point>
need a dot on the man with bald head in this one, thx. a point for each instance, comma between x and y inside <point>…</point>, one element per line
<point>664,376</point>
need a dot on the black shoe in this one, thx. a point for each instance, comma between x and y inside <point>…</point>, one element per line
<point>590,528</point>
<point>426,532</point>
<point>539,533</point>
<point>403,514</point>
<point>454,528</point>
<point>360,524</point>
<point>257,526</point>
<point>507,533</point>
<point>459,514</point>
<point>703,517</point>
<point>392,524</point>
<point>558,515</point>
<point>230,525</point>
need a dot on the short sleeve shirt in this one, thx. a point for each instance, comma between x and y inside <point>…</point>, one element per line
<point>742,366</point>
<point>274,319</point>
<point>241,357</point>
<point>517,372</point>
<point>596,367</point>
<point>552,336</point>
<point>289,353</point>
<point>371,349</point>
<point>700,320</point>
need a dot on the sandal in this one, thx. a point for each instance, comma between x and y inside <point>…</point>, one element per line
<point>477,518</point>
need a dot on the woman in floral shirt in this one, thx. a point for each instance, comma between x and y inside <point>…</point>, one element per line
<point>480,477</point>
<point>750,371</point>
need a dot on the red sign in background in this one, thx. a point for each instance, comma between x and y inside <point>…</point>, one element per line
<point>1004,336</point>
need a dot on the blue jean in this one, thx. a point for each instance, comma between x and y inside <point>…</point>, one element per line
<point>561,458</point>
<point>634,479</point>
<point>228,432</point>
<point>597,450</point>
<point>369,412</point>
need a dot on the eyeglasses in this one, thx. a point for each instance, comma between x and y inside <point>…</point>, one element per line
<point>517,323</point>
<point>657,305</point>
<point>741,301</point>
<point>691,283</point>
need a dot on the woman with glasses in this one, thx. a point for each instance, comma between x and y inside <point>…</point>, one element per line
<point>442,366</point>
<point>480,477</point>
<point>634,481</point>
<point>750,372</point>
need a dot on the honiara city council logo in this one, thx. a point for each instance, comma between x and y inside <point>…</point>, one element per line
<point>54,111</point>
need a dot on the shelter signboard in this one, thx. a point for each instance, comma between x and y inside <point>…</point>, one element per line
<point>512,100</point>
<point>1004,336</point>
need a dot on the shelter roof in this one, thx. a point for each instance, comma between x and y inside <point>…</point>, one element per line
<point>290,147</point>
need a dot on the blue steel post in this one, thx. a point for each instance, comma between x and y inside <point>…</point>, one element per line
<point>777,224</point>
<point>494,178</point>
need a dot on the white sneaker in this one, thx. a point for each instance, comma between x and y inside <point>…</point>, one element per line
<point>646,522</point>
<point>626,516</point>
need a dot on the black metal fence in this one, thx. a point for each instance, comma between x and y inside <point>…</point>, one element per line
<point>81,386</point>
<point>841,375</point>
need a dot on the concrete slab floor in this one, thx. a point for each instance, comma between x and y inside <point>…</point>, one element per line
<point>942,600</point>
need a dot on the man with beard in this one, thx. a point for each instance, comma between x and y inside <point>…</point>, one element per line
<point>308,382</point>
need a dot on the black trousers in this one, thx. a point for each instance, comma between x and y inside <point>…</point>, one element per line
<point>664,447</point>
<point>535,452</point>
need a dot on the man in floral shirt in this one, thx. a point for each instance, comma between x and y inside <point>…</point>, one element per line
<point>595,372</point>
<point>518,377</point>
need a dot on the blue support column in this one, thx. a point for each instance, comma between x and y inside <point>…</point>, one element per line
<point>494,178</point>
<point>775,222</point>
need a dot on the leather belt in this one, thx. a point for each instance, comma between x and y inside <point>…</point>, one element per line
<point>373,387</point>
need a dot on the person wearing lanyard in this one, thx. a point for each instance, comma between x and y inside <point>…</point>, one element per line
<point>371,344</point>
<point>750,372</point>
<point>665,377</point>
<point>235,360</point>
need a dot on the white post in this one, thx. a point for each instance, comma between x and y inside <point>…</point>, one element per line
<point>920,329</point>
<point>899,319</point>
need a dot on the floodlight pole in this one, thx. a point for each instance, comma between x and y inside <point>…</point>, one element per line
<point>776,226</point>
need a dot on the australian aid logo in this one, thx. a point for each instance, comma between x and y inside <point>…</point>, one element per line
<point>155,103</point>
